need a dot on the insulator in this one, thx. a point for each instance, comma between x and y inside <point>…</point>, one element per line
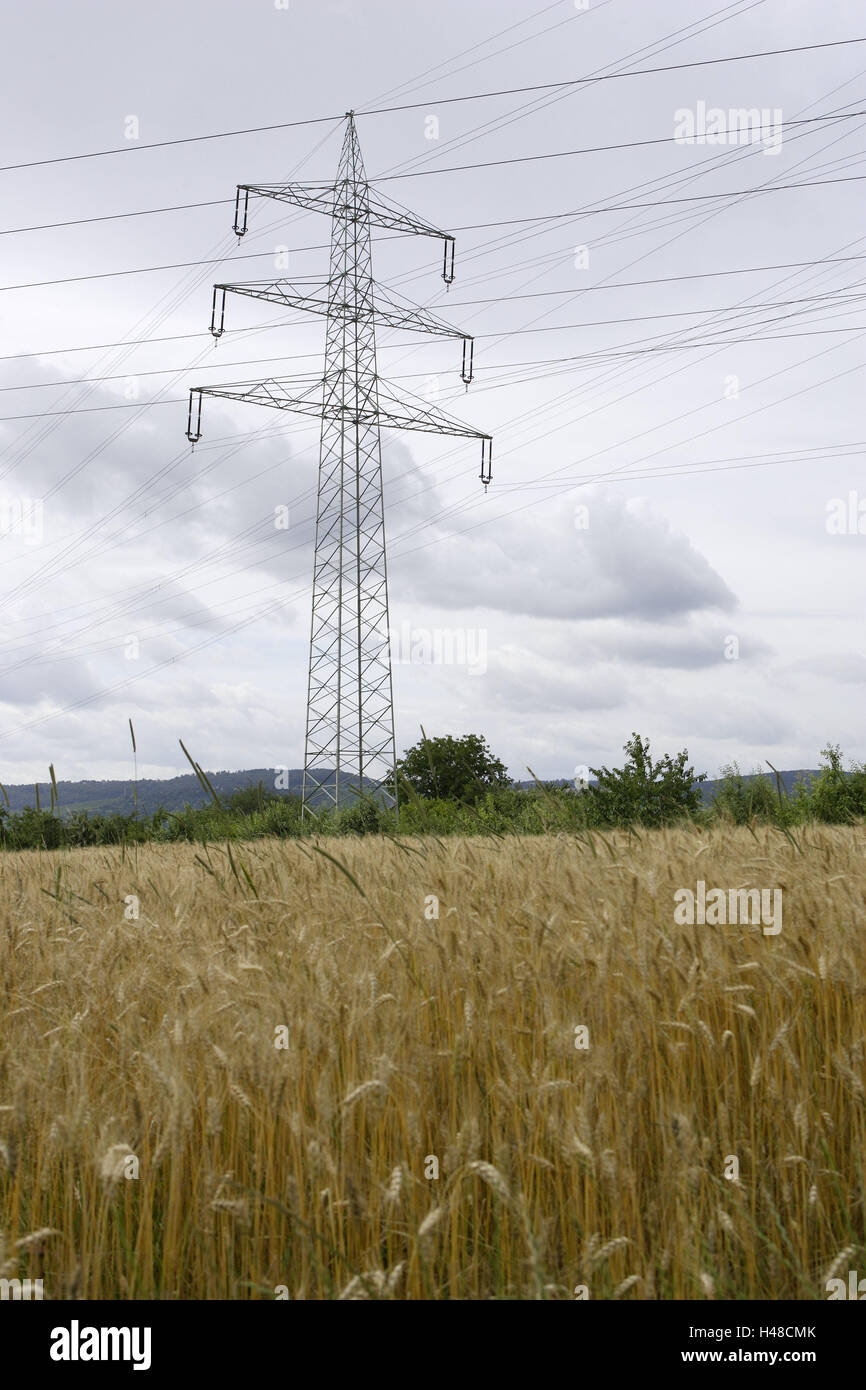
<point>241,210</point>
<point>193,430</point>
<point>468,355</point>
<point>448,261</point>
<point>486,461</point>
<point>218,317</point>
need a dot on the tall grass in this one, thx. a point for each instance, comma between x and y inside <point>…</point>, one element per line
<point>154,1142</point>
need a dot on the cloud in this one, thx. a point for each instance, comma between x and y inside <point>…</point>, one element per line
<point>847,667</point>
<point>626,563</point>
<point>521,682</point>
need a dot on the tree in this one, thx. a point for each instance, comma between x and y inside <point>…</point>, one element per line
<point>246,801</point>
<point>644,792</point>
<point>743,798</point>
<point>837,796</point>
<point>452,769</point>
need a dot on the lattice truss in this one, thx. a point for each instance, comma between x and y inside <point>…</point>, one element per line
<point>350,709</point>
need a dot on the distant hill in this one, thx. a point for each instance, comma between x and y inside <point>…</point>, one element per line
<point>173,793</point>
<point>711,786</point>
<point>170,793</point>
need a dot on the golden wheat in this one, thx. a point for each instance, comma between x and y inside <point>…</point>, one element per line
<point>281,1073</point>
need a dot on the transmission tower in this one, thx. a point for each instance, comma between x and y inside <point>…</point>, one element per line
<point>350,708</point>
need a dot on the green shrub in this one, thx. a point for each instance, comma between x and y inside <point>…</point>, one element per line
<point>282,817</point>
<point>837,797</point>
<point>741,801</point>
<point>453,769</point>
<point>643,792</point>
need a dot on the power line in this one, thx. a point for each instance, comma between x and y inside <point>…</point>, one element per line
<point>492,299</point>
<point>116,216</point>
<point>617,287</point>
<point>467,226</point>
<point>261,255</point>
<point>209,562</point>
<point>147,270</point>
<point>643,54</point>
<point>708,165</point>
<point>426,488</point>
<point>602,355</point>
<point>598,149</point>
<point>817,299</point>
<point>414,81</point>
<point>703,25</point>
<point>686,469</point>
<point>86,700</point>
<point>438,101</point>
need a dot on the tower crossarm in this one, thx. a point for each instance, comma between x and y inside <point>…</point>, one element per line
<point>401,410</point>
<point>392,309</point>
<point>323,298</point>
<point>351,200</point>
<point>331,198</point>
<point>393,409</point>
<point>281,394</point>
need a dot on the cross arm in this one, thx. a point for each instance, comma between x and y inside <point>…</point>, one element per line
<point>392,409</point>
<point>385,308</point>
<point>372,205</point>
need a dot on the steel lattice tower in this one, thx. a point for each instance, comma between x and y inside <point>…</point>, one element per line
<point>350,710</point>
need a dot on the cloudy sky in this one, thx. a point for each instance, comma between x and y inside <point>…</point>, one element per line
<point>670,363</point>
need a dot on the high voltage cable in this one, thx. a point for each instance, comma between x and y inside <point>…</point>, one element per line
<point>573,214</point>
<point>208,560</point>
<point>744,311</point>
<point>452,509</point>
<point>277,604</point>
<point>448,511</point>
<point>601,355</point>
<point>414,528</point>
<point>682,469</point>
<point>33,436</point>
<point>824,296</point>
<point>430,101</point>
<point>644,53</point>
<point>322,246</point>
<point>545,102</point>
<point>675,470</point>
<point>631,205</point>
<point>312,248</point>
<point>746,155</point>
<point>818,453</point>
<point>413,82</point>
<point>594,382</point>
<point>687,468</point>
<point>493,299</point>
<point>595,149</point>
<point>694,173</point>
<point>656,45</point>
<point>615,352</point>
<point>818,299</point>
<point>668,375</point>
<point>149,269</point>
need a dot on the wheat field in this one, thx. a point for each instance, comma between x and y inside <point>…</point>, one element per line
<point>275,1071</point>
